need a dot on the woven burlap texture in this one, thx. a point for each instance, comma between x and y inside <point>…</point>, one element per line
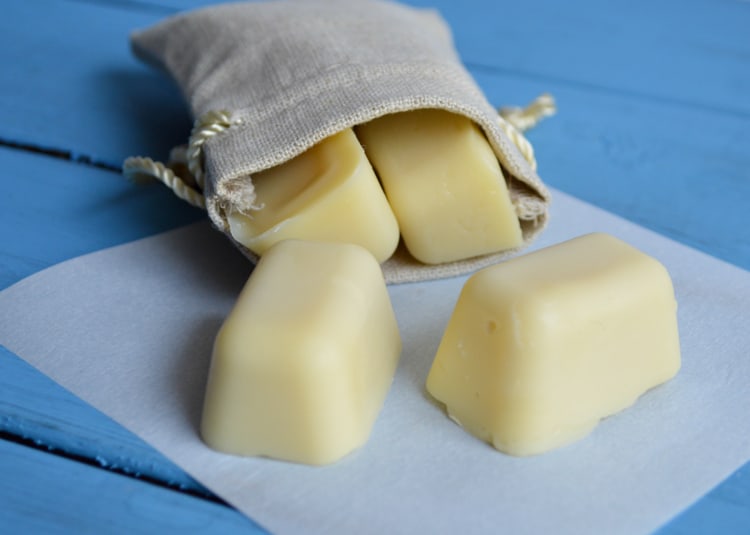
<point>291,73</point>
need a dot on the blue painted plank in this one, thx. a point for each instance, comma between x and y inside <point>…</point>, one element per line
<point>52,210</point>
<point>34,408</point>
<point>105,105</point>
<point>43,493</point>
<point>69,82</point>
<point>694,53</point>
<point>726,509</point>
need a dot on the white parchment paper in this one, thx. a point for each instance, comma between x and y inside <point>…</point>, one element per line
<point>130,330</point>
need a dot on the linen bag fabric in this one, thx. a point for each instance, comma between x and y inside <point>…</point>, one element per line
<point>292,73</point>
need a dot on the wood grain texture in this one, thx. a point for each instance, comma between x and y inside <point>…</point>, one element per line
<point>33,408</point>
<point>654,125</point>
<point>43,493</point>
<point>55,209</point>
<point>690,53</point>
<point>71,84</point>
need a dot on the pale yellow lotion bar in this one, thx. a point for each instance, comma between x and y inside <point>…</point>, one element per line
<point>541,347</point>
<point>302,364</point>
<point>444,184</point>
<point>327,193</point>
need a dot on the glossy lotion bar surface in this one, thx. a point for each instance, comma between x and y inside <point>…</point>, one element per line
<point>303,362</point>
<point>543,346</point>
<point>444,184</point>
<point>327,193</point>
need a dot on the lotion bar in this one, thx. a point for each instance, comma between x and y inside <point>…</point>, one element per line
<point>541,347</point>
<point>327,193</point>
<point>444,184</point>
<point>302,364</point>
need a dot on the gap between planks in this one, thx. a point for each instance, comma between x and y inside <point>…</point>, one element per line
<point>88,461</point>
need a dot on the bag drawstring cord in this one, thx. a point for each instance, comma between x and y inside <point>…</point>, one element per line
<point>515,121</point>
<point>141,169</point>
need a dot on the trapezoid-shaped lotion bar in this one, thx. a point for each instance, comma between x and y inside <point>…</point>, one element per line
<point>302,364</point>
<point>444,184</point>
<point>327,193</point>
<point>543,346</point>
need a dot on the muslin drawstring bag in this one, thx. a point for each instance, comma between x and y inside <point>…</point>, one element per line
<point>268,80</point>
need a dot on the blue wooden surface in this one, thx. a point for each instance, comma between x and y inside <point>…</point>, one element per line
<point>56,210</point>
<point>43,493</point>
<point>654,125</point>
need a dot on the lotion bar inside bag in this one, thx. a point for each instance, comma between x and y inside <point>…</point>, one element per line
<point>268,80</point>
